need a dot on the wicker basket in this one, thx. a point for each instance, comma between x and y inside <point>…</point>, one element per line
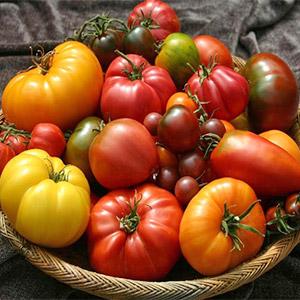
<point>70,267</point>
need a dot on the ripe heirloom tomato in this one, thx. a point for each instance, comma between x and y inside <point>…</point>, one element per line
<point>46,201</point>
<point>62,90</point>
<point>157,16</point>
<point>274,96</point>
<point>212,238</point>
<point>18,142</point>
<point>133,233</point>
<point>212,50</point>
<point>77,148</point>
<point>178,129</point>
<point>223,91</point>
<point>48,137</point>
<point>284,141</point>
<point>123,154</point>
<point>183,99</point>
<point>133,88</point>
<point>176,53</point>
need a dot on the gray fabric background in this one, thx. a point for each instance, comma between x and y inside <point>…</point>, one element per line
<point>246,26</point>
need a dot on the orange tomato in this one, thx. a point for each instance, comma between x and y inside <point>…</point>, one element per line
<point>183,99</point>
<point>284,141</point>
<point>166,157</point>
<point>228,126</point>
<point>63,89</point>
<point>203,238</point>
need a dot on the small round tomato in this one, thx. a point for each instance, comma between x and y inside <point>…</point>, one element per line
<point>178,129</point>
<point>184,99</point>
<point>48,137</point>
<point>133,233</point>
<point>166,157</point>
<point>18,140</point>
<point>185,189</point>
<point>212,50</point>
<point>151,122</point>
<point>292,204</point>
<point>213,237</point>
<point>77,148</point>
<point>6,154</point>
<point>167,177</point>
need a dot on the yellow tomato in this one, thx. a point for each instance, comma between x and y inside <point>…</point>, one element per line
<point>46,201</point>
<point>284,141</point>
<point>64,88</point>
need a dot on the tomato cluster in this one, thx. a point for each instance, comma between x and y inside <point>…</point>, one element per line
<point>172,151</point>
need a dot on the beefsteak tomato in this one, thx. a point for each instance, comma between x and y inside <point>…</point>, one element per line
<point>214,231</point>
<point>64,88</point>
<point>157,16</point>
<point>47,202</point>
<point>274,96</point>
<point>133,233</point>
<point>133,88</point>
<point>123,154</point>
<point>224,92</point>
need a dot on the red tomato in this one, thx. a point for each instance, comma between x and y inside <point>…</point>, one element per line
<point>212,236</point>
<point>156,15</point>
<point>133,89</point>
<point>292,204</point>
<point>212,49</point>
<point>48,137</point>
<point>6,153</point>
<point>266,167</point>
<point>133,233</point>
<point>18,142</point>
<point>224,92</point>
<point>123,154</point>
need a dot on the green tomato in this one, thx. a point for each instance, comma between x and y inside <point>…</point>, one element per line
<point>77,149</point>
<point>177,52</point>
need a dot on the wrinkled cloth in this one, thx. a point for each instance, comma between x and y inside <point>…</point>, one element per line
<point>245,26</point>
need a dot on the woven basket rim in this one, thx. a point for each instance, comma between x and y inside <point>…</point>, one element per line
<point>110,287</point>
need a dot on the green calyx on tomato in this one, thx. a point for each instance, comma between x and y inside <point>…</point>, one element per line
<point>231,223</point>
<point>136,73</point>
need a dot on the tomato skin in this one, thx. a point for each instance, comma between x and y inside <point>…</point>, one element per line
<point>48,137</point>
<point>67,93</point>
<point>292,205</point>
<point>41,205</point>
<point>211,48</point>
<point>157,13</point>
<point>284,141</point>
<point>178,129</point>
<point>18,143</point>
<point>205,246</point>
<point>6,154</point>
<point>274,94</point>
<point>225,91</point>
<point>177,50</point>
<point>77,148</point>
<point>249,157</point>
<point>228,126</point>
<point>123,154</point>
<point>151,250</point>
<point>181,98</point>
<point>139,97</point>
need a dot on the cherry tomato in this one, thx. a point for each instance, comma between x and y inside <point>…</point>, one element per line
<point>178,129</point>
<point>48,137</point>
<point>167,178</point>
<point>166,157</point>
<point>186,188</point>
<point>192,164</point>
<point>292,204</point>
<point>183,99</point>
<point>151,122</point>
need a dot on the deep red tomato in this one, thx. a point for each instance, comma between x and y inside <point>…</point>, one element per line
<point>18,142</point>
<point>123,154</point>
<point>6,153</point>
<point>48,137</point>
<point>133,233</point>
<point>133,88</point>
<point>178,130</point>
<point>212,50</point>
<point>292,204</point>
<point>223,91</point>
<point>274,96</point>
<point>156,15</point>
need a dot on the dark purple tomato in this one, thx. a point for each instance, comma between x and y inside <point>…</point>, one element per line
<point>192,164</point>
<point>186,188</point>
<point>167,178</point>
<point>178,129</point>
<point>151,122</point>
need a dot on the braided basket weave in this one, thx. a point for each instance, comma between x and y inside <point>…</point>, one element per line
<point>64,266</point>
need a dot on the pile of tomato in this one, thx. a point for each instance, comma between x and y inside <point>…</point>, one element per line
<point>192,156</point>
